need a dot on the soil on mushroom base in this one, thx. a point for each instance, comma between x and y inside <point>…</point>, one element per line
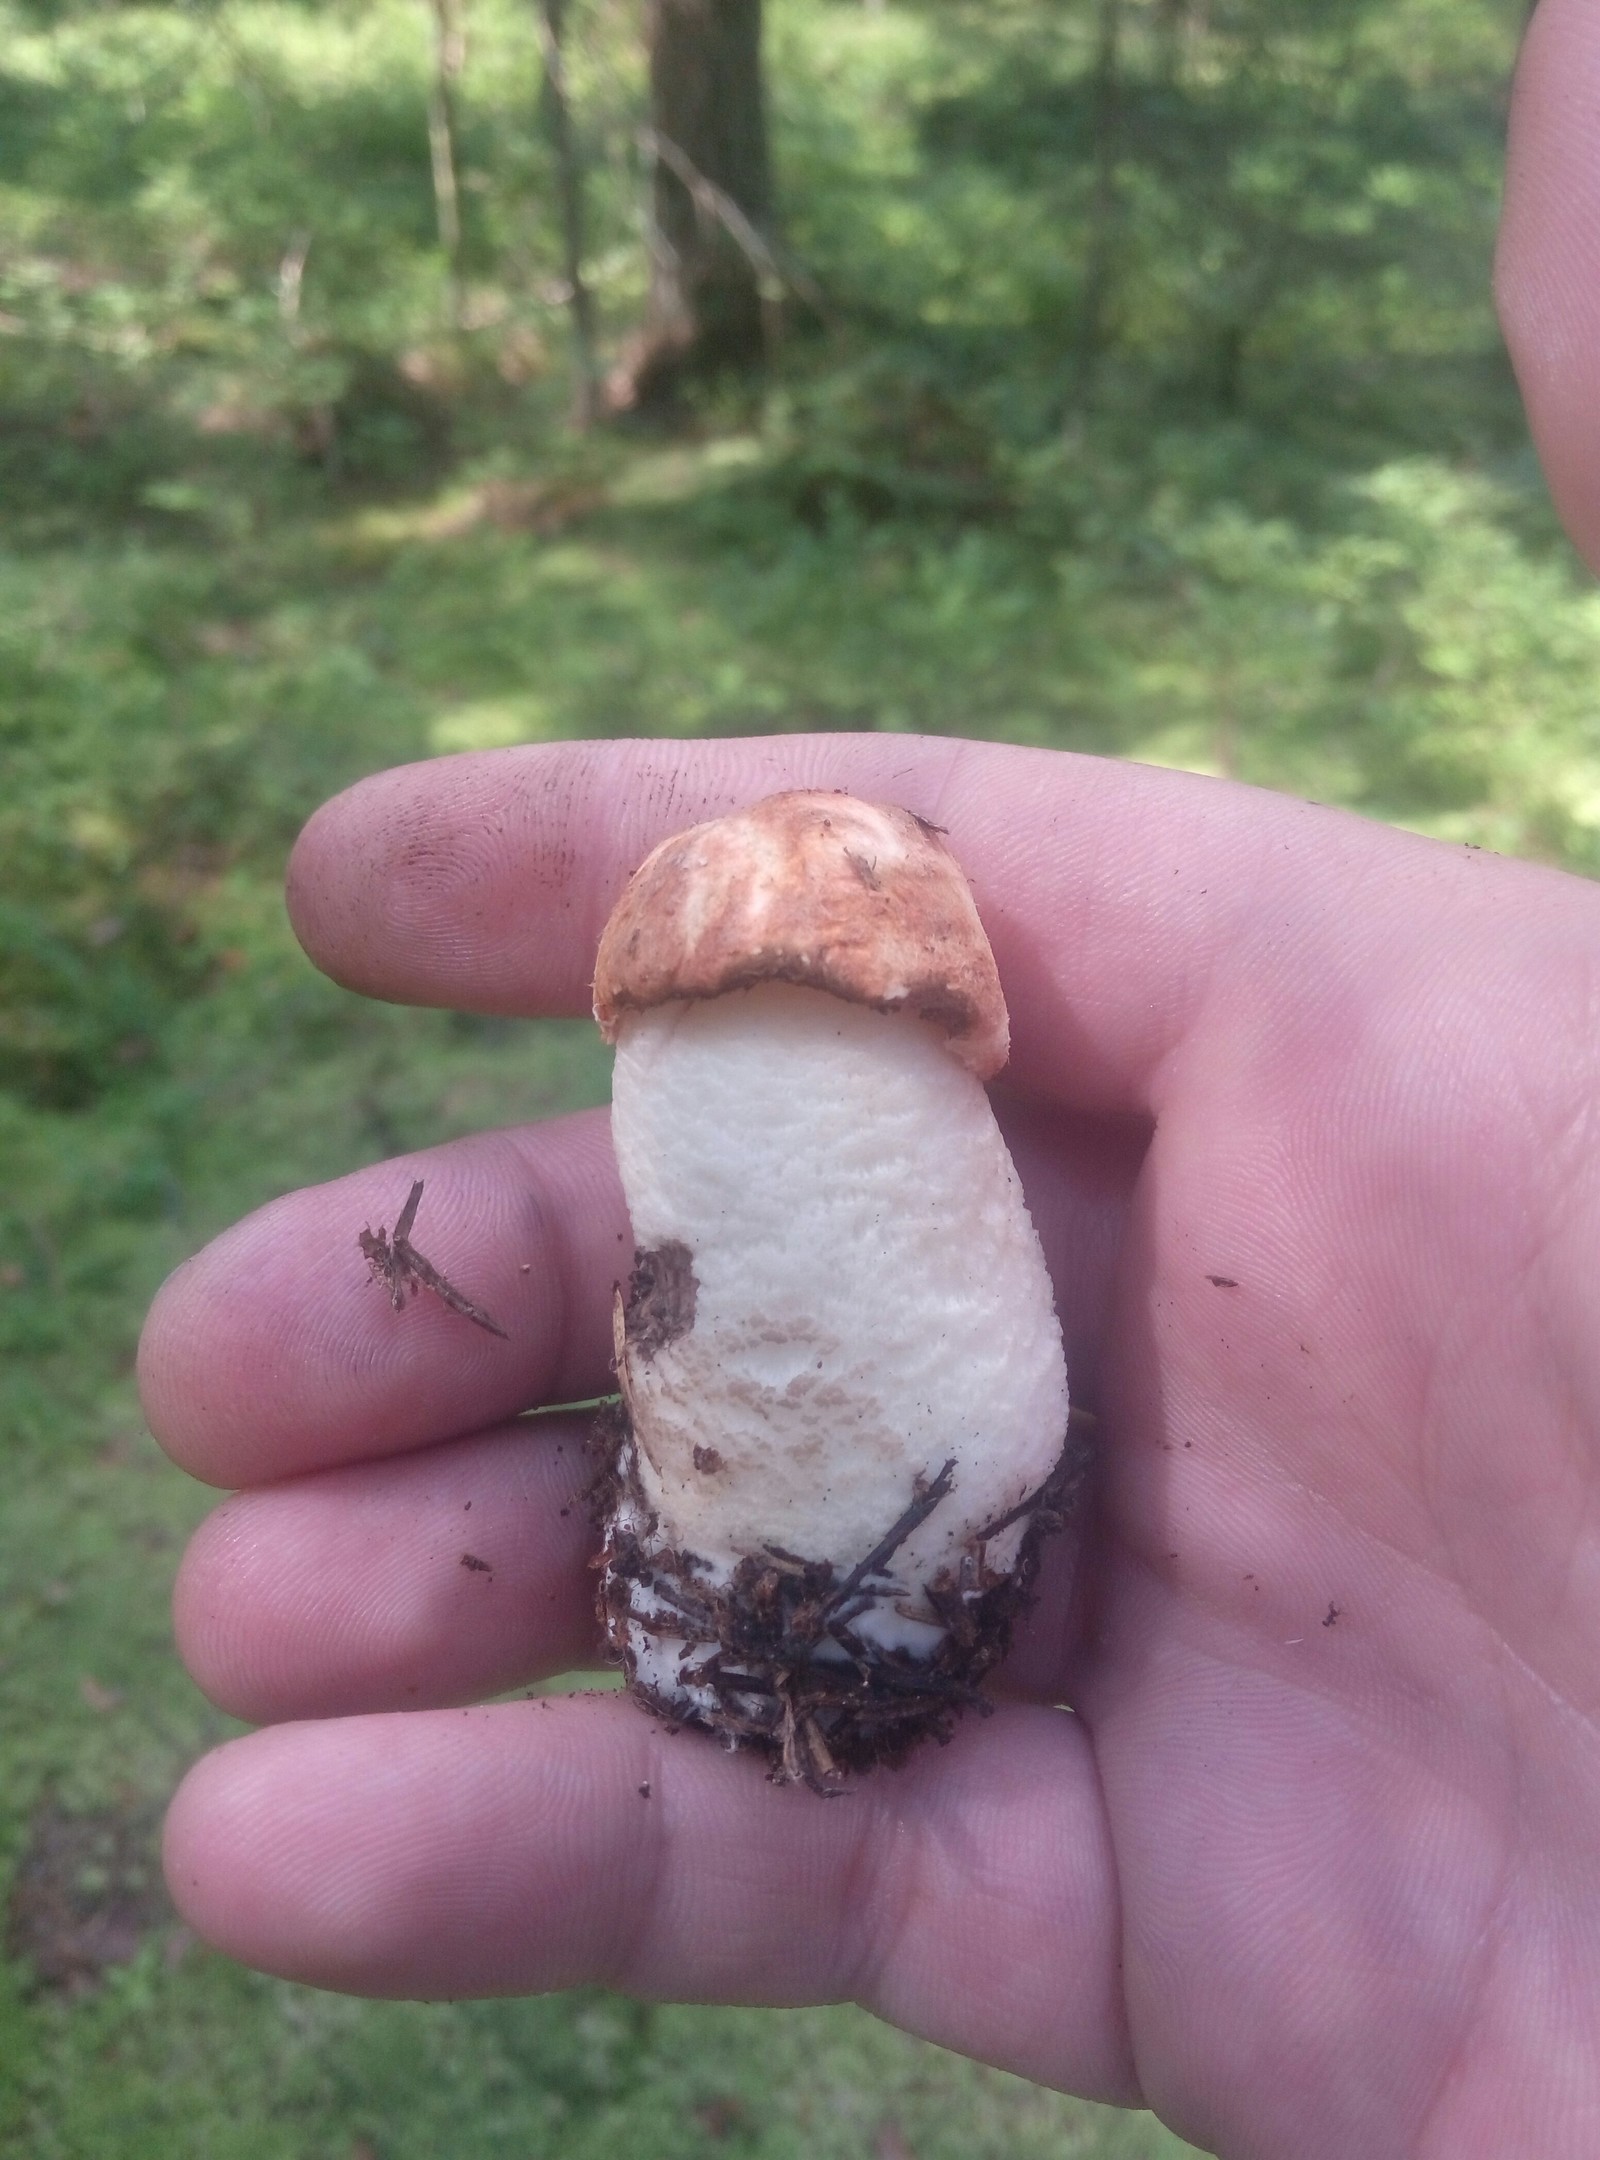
<point>791,1675</point>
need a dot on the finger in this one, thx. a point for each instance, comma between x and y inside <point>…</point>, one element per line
<point>439,1577</point>
<point>273,1352</point>
<point>1121,901</point>
<point>1548,262</point>
<point>968,1897</point>
<point>443,1577</point>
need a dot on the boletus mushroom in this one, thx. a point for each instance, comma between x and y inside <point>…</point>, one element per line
<point>842,1425</point>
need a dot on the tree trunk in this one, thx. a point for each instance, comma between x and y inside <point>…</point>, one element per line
<point>711,202</point>
<point>1172,31</point>
<point>449,55</point>
<point>569,187</point>
<point>1105,89</point>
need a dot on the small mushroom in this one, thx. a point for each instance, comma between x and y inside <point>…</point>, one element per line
<point>843,1417</point>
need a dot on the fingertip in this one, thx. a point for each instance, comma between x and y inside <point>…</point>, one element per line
<point>313,870</point>
<point>256,1867</point>
<point>204,1591</point>
<point>175,1387</point>
<point>363,878</point>
<point>200,1843</point>
<point>418,1854</point>
<point>454,881</point>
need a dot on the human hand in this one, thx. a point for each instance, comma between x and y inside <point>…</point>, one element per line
<point>1321,1847</point>
<point>1313,1870</point>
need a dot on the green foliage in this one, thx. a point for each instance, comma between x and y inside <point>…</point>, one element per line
<point>1285,211</point>
<point>583,2076</point>
<point>1169,423</point>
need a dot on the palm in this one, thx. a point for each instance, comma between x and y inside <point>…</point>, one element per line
<point>1337,1687</point>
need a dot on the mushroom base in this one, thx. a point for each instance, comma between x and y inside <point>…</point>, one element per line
<point>771,1658</point>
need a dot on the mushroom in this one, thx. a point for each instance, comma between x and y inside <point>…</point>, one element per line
<point>841,1434</point>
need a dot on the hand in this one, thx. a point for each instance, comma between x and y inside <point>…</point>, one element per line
<point>1307,1112</point>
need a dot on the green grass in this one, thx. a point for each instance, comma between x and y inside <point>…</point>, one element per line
<point>209,2060</point>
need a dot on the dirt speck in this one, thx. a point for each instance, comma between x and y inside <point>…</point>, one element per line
<point>478,1567</point>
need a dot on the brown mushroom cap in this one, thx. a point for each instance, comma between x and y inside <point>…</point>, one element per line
<point>860,899</point>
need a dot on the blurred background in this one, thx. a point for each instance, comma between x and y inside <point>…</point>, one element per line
<point>381,378</point>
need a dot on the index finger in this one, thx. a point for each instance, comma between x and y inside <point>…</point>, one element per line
<point>1118,898</point>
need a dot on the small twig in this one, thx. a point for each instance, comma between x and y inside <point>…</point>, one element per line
<point>449,57</point>
<point>396,1263</point>
<point>719,206</point>
<point>1029,1505</point>
<point>884,1551</point>
<point>408,1215</point>
<point>291,279</point>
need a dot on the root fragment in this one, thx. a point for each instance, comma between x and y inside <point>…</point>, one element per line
<point>397,1264</point>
